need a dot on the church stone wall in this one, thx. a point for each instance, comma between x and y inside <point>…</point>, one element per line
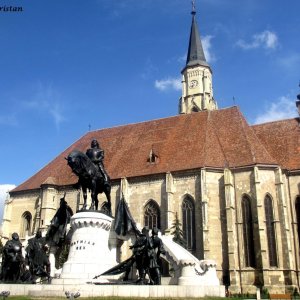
<point>293,182</point>
<point>14,210</point>
<point>217,196</point>
<point>188,185</point>
<point>41,204</point>
<point>257,183</point>
<point>211,212</point>
<point>293,189</point>
<point>141,192</point>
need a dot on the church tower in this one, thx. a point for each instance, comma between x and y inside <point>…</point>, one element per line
<point>197,91</point>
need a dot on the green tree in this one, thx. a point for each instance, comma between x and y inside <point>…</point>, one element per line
<point>177,232</point>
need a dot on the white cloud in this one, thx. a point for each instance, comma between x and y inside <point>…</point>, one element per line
<point>168,84</point>
<point>206,43</point>
<point>284,108</point>
<point>4,189</point>
<point>265,39</point>
<point>47,100</point>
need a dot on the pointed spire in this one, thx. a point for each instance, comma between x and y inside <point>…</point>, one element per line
<point>195,54</point>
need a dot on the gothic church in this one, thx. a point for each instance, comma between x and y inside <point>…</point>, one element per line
<point>235,187</point>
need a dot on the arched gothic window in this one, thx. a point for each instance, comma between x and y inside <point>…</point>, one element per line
<point>25,224</point>
<point>152,215</point>
<point>297,207</point>
<point>248,233</point>
<point>270,231</point>
<point>188,222</point>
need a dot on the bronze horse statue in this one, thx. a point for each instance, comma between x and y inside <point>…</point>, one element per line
<point>89,178</point>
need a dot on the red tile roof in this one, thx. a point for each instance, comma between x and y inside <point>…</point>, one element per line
<point>205,139</point>
<point>282,141</point>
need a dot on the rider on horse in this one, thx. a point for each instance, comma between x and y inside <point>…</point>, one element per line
<point>92,175</point>
<point>96,155</point>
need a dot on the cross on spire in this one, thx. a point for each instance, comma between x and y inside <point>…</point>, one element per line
<point>193,7</point>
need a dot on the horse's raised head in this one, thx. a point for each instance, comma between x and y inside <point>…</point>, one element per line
<point>74,161</point>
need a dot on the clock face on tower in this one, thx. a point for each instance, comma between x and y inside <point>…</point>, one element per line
<point>193,84</point>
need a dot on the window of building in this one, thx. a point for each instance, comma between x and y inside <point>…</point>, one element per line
<point>248,233</point>
<point>195,109</point>
<point>270,231</point>
<point>153,157</point>
<point>188,222</point>
<point>25,224</point>
<point>152,215</point>
<point>297,207</point>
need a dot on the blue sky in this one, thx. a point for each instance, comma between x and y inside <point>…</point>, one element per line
<point>65,64</point>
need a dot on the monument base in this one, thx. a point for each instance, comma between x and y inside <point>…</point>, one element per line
<point>90,290</point>
<point>92,249</point>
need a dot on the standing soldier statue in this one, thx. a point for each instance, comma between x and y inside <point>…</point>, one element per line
<point>38,261</point>
<point>12,260</point>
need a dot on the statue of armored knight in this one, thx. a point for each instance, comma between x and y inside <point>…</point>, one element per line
<point>96,155</point>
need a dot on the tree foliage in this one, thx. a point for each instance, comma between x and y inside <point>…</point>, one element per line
<point>177,232</point>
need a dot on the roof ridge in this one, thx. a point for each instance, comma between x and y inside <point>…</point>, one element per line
<point>252,151</point>
<point>220,144</point>
<point>137,123</point>
<point>215,140</point>
<point>275,121</point>
<point>158,119</point>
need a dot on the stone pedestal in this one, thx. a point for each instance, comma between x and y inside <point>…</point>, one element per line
<point>92,249</point>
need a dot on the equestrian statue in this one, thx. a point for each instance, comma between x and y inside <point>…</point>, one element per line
<point>90,170</point>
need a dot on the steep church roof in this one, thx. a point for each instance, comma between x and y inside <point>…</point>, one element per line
<point>209,138</point>
<point>217,139</point>
<point>282,141</point>
<point>195,54</point>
